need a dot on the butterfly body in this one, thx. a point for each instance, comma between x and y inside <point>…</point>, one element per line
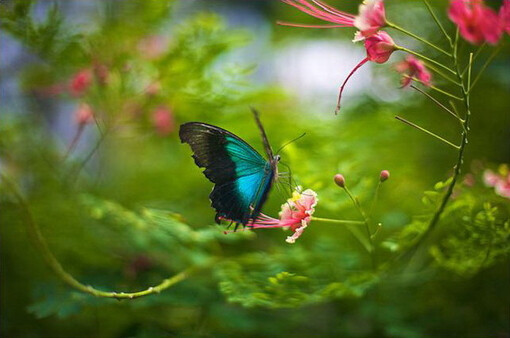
<point>242,177</point>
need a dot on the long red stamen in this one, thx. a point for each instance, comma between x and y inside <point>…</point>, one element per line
<point>283,23</point>
<point>323,12</point>
<point>345,82</point>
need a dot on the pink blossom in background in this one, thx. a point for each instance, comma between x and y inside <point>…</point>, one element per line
<point>101,72</point>
<point>163,121</point>
<point>490,178</point>
<point>504,16</point>
<point>412,67</point>
<point>153,88</point>
<point>80,82</point>
<point>84,114</point>
<point>477,23</point>
<point>499,181</point>
<point>153,47</point>
<point>370,19</point>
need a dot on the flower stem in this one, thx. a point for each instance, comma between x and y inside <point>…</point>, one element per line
<point>338,221</point>
<point>424,58</point>
<point>39,241</point>
<point>437,102</point>
<point>489,60</point>
<point>438,22</point>
<point>371,248</point>
<point>460,158</point>
<point>392,25</point>
<point>401,119</point>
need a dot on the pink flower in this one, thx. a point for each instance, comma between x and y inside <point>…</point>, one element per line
<point>477,23</point>
<point>504,16</point>
<point>379,48</point>
<point>163,121</point>
<point>412,67</point>
<point>83,115</point>
<point>153,46</point>
<point>80,82</point>
<point>499,181</point>
<point>101,72</point>
<point>370,19</point>
<point>295,215</point>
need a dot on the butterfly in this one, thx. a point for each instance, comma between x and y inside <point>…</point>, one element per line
<point>242,177</point>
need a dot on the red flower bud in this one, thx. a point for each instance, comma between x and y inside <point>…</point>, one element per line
<point>340,180</point>
<point>385,174</point>
<point>84,114</point>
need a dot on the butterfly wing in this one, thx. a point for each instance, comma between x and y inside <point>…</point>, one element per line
<point>242,177</point>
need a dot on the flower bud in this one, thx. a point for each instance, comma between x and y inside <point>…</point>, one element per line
<point>379,47</point>
<point>385,174</point>
<point>340,180</point>
<point>84,114</point>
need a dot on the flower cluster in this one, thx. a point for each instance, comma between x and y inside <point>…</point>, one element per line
<point>370,20</point>
<point>500,181</point>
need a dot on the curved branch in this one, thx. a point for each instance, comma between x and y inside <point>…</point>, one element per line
<point>39,241</point>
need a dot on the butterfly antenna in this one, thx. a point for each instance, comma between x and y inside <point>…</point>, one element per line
<point>291,141</point>
<point>267,146</point>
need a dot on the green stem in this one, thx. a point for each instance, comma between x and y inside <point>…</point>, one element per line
<point>401,119</point>
<point>338,221</point>
<point>371,248</point>
<point>438,22</point>
<point>441,91</point>
<point>40,243</point>
<point>421,56</point>
<point>489,60</point>
<point>477,53</point>
<point>439,72</point>
<point>457,168</point>
<point>437,102</point>
<point>392,25</point>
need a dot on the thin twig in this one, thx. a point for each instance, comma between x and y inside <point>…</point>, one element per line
<point>401,119</point>
<point>438,22</point>
<point>392,25</point>
<point>436,102</point>
<point>41,244</point>
<point>421,56</point>
<point>489,60</point>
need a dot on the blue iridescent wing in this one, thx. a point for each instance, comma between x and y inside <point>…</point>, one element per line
<point>241,175</point>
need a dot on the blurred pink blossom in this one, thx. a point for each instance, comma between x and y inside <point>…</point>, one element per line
<point>163,120</point>
<point>80,82</point>
<point>153,46</point>
<point>499,181</point>
<point>412,67</point>
<point>504,16</point>
<point>84,114</point>
<point>477,23</point>
<point>153,88</point>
